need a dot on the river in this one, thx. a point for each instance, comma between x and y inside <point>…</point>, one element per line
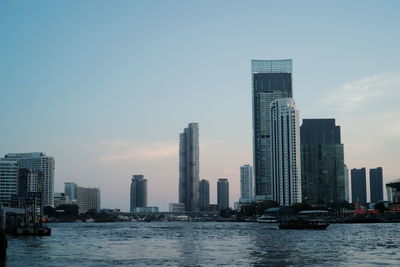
<point>206,244</point>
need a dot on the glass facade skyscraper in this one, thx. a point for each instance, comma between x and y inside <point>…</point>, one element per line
<point>376,184</point>
<point>138,192</point>
<point>271,80</point>
<point>322,162</point>
<point>204,195</point>
<point>358,186</point>
<point>223,193</point>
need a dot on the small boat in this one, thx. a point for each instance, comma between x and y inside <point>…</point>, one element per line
<point>267,219</point>
<point>310,219</point>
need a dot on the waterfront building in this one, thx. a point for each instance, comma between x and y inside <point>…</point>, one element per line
<point>346,184</point>
<point>204,195</point>
<point>176,207</point>
<point>285,140</point>
<point>145,210</point>
<point>358,186</point>
<point>29,181</point>
<point>61,199</point>
<point>8,180</point>
<point>223,193</point>
<point>246,183</point>
<point>70,190</point>
<point>322,162</point>
<point>88,199</point>
<point>38,161</point>
<point>271,80</point>
<point>138,192</point>
<point>189,167</point>
<point>376,184</point>
<point>393,191</point>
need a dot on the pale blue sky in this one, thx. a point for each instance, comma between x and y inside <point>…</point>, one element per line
<point>106,86</point>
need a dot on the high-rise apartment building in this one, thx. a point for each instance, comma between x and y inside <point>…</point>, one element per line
<point>88,199</point>
<point>8,179</point>
<point>70,190</point>
<point>189,167</point>
<point>204,195</point>
<point>29,181</point>
<point>376,184</point>
<point>358,186</point>
<point>246,183</point>
<point>285,141</point>
<point>346,184</point>
<point>223,193</point>
<point>138,192</point>
<point>38,161</point>
<point>322,162</point>
<point>271,80</point>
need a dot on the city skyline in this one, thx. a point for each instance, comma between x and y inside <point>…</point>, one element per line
<point>106,98</point>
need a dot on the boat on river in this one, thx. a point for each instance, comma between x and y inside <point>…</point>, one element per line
<point>267,219</point>
<point>309,219</point>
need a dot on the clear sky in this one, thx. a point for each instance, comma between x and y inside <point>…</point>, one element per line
<point>107,86</point>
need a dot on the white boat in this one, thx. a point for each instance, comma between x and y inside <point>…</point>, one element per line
<point>267,219</point>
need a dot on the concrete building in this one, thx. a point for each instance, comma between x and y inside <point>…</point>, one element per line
<point>88,199</point>
<point>8,180</point>
<point>138,192</point>
<point>204,195</point>
<point>38,161</point>
<point>30,181</point>
<point>70,190</point>
<point>223,193</point>
<point>358,186</point>
<point>376,184</point>
<point>346,184</point>
<point>322,162</point>
<point>189,167</point>
<point>393,191</point>
<point>246,183</point>
<point>271,80</point>
<point>61,199</point>
<point>285,140</point>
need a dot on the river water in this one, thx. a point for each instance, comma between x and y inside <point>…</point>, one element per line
<point>206,244</point>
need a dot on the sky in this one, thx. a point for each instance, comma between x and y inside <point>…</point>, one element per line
<point>105,87</point>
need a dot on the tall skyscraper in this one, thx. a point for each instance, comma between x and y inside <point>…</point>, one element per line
<point>346,184</point>
<point>285,140</point>
<point>271,80</point>
<point>38,161</point>
<point>70,190</point>
<point>246,183</point>
<point>8,179</point>
<point>204,195</point>
<point>322,163</point>
<point>88,199</point>
<point>189,167</point>
<point>223,193</point>
<point>138,192</point>
<point>358,186</point>
<point>376,184</point>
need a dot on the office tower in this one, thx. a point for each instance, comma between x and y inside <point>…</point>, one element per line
<point>346,184</point>
<point>38,161</point>
<point>189,167</point>
<point>246,183</point>
<point>70,190</point>
<point>88,199</point>
<point>8,179</point>
<point>376,184</point>
<point>285,140</point>
<point>393,191</point>
<point>358,186</point>
<point>223,193</point>
<point>271,80</point>
<point>204,195</point>
<point>61,199</point>
<point>322,162</point>
<point>30,181</point>
<point>138,192</point>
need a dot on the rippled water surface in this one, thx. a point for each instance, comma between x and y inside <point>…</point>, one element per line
<point>206,244</point>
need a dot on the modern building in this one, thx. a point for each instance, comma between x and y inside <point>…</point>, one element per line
<point>346,184</point>
<point>88,199</point>
<point>8,180</point>
<point>30,181</point>
<point>376,184</point>
<point>246,183</point>
<point>223,193</point>
<point>138,192</point>
<point>61,199</point>
<point>393,191</point>
<point>204,195</point>
<point>358,186</point>
<point>176,207</point>
<point>38,161</point>
<point>145,210</point>
<point>322,162</point>
<point>189,167</point>
<point>285,141</point>
<point>70,190</point>
<point>271,80</point>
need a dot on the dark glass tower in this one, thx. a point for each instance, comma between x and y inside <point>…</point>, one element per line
<point>358,186</point>
<point>322,166</point>
<point>376,184</point>
<point>271,80</point>
<point>223,193</point>
<point>204,195</point>
<point>189,167</point>
<point>138,192</point>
